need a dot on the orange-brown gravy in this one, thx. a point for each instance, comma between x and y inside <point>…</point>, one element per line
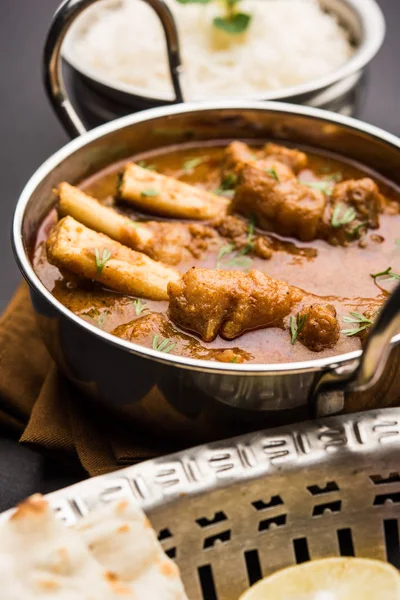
<point>338,275</point>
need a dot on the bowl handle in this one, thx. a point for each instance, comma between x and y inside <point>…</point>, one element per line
<point>360,375</point>
<point>52,71</point>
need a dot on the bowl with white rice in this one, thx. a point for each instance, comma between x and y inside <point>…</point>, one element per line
<point>306,51</point>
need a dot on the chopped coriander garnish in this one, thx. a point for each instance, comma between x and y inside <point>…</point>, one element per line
<point>145,165</point>
<point>296,325</point>
<point>232,22</point>
<point>342,215</point>
<point>192,163</point>
<point>326,185</point>
<point>99,318</point>
<point>149,193</point>
<point>227,186</point>
<point>356,232</point>
<point>250,231</point>
<point>132,224</point>
<point>101,261</point>
<point>397,242</point>
<point>360,321</point>
<point>336,177</point>
<point>227,249</point>
<point>140,306</point>
<point>120,181</point>
<point>234,359</point>
<point>229,181</point>
<point>163,345</point>
<point>237,23</point>
<point>238,259</point>
<point>388,272</point>
<point>273,174</point>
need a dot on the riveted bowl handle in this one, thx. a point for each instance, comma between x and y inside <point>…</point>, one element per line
<point>363,374</point>
<point>52,71</point>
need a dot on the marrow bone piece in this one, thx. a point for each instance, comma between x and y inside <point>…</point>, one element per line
<point>73,247</point>
<point>155,193</point>
<point>90,212</point>
<point>211,302</point>
<point>168,242</point>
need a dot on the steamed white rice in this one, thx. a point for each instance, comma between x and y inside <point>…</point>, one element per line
<point>287,43</point>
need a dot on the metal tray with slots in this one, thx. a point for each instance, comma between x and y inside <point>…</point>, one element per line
<point>235,510</point>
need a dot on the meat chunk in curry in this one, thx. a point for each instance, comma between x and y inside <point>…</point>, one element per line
<point>280,203</point>
<point>292,158</point>
<point>319,327</point>
<point>354,204</point>
<point>210,302</point>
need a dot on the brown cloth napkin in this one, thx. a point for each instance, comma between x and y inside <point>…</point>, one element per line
<point>41,406</point>
<point>49,413</point>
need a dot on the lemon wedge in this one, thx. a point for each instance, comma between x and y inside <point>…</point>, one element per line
<point>330,579</point>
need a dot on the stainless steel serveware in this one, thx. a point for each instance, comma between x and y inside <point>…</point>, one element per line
<point>195,399</point>
<point>101,98</point>
<point>237,510</point>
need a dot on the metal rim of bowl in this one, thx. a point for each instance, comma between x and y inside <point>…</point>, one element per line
<point>373,30</point>
<point>50,164</point>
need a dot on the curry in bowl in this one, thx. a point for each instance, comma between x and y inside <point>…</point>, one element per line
<point>226,252</point>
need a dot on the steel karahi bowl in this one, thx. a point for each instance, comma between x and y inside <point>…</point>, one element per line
<point>195,399</point>
<point>101,98</point>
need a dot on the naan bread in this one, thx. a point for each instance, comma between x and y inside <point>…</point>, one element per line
<point>121,538</point>
<point>41,559</point>
<point>113,554</point>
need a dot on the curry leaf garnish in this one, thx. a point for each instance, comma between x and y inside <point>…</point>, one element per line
<point>140,306</point>
<point>388,272</point>
<point>273,174</point>
<point>361,322</point>
<point>342,215</point>
<point>149,193</point>
<point>192,163</point>
<point>163,345</point>
<point>145,165</point>
<point>101,260</point>
<point>296,325</point>
<point>234,359</point>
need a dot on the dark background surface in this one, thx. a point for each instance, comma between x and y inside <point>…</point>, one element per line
<point>30,133</point>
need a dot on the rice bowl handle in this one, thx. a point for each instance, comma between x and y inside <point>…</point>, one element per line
<point>52,66</point>
<point>168,197</point>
